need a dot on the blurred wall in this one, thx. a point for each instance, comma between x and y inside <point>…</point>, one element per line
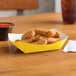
<point>57,5</point>
<point>43,7</point>
<point>8,13</point>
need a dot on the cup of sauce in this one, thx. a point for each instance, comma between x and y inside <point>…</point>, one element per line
<point>5,28</point>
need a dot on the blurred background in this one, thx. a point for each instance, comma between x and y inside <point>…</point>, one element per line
<point>10,8</point>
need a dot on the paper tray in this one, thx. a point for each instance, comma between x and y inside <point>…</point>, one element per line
<point>30,48</point>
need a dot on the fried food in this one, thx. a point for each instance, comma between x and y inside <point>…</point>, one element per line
<point>28,35</point>
<point>26,40</point>
<point>52,40</point>
<point>50,33</point>
<point>40,32</point>
<point>41,42</point>
<point>39,36</point>
<point>36,38</point>
<point>57,35</point>
<point>17,40</point>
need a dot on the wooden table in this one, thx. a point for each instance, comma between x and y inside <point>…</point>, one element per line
<point>55,63</point>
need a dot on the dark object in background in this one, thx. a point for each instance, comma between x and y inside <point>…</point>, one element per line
<point>68,11</point>
<point>5,28</point>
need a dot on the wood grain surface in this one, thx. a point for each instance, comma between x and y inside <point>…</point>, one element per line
<point>54,63</point>
<point>18,4</point>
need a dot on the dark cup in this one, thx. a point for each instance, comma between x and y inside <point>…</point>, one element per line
<point>5,28</point>
<point>68,11</point>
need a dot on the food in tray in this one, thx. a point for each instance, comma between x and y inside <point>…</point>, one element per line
<point>28,35</point>
<point>40,36</point>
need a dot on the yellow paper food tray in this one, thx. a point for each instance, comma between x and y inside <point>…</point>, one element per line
<point>30,48</point>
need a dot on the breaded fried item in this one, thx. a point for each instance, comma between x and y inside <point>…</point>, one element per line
<point>28,35</point>
<point>51,40</point>
<point>40,32</point>
<point>50,33</point>
<point>57,35</point>
<point>26,41</point>
<point>40,36</point>
<point>17,40</point>
<point>41,42</point>
<point>36,38</point>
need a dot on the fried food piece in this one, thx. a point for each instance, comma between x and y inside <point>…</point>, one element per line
<point>40,32</point>
<point>17,40</point>
<point>36,38</point>
<point>39,36</point>
<point>52,40</point>
<point>57,35</point>
<point>26,41</point>
<point>41,42</point>
<point>32,39</point>
<point>28,35</point>
<point>50,33</point>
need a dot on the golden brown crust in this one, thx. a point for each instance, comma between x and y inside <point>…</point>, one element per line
<point>17,40</point>
<point>28,35</point>
<point>52,40</point>
<point>36,38</point>
<point>40,32</point>
<point>26,40</point>
<point>57,35</point>
<point>41,42</point>
<point>39,36</point>
<point>50,33</point>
